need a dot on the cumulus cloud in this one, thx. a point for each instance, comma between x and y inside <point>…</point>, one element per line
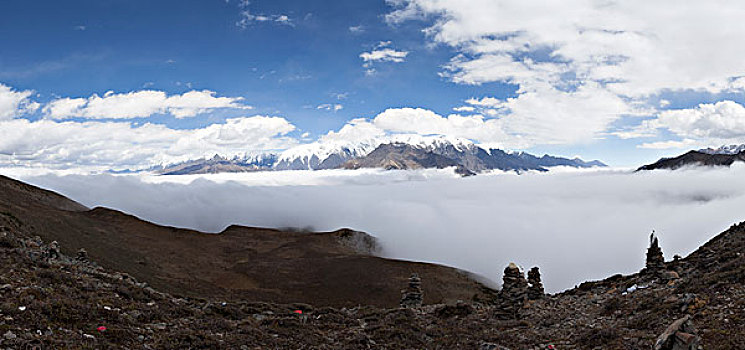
<point>14,103</point>
<point>575,225</point>
<point>140,104</point>
<point>530,119</point>
<point>97,145</point>
<point>637,47</point>
<point>719,122</point>
<point>562,54</point>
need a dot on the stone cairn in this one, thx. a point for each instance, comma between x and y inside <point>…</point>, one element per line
<point>412,296</point>
<point>514,290</point>
<point>655,260</point>
<point>535,287</point>
<point>82,256</point>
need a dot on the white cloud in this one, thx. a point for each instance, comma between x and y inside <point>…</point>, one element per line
<point>331,107</point>
<point>357,29</point>
<point>355,130</point>
<point>466,109</point>
<point>639,47</point>
<point>562,54</point>
<point>686,143</point>
<point>717,123</point>
<point>384,55</point>
<point>105,145</point>
<point>15,103</point>
<point>248,18</point>
<point>140,104</point>
<point>382,52</point>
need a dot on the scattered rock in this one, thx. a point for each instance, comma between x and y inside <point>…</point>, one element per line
<point>680,335</point>
<point>9,335</point>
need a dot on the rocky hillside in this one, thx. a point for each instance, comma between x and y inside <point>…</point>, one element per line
<point>696,158</point>
<point>241,263</point>
<point>55,296</point>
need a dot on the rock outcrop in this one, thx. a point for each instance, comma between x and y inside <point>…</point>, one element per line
<point>680,335</point>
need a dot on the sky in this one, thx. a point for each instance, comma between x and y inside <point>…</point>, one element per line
<point>128,84</point>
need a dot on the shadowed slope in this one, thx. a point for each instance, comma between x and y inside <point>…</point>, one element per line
<point>240,263</point>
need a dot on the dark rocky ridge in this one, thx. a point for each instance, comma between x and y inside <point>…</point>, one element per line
<point>695,158</point>
<point>62,302</point>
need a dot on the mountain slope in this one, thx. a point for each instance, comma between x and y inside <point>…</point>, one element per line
<point>695,158</point>
<point>469,159</point>
<point>64,303</point>
<point>240,263</point>
<point>218,164</point>
<point>400,156</point>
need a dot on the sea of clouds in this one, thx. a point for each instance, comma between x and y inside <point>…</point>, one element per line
<point>575,225</point>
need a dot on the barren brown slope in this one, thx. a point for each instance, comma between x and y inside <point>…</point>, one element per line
<point>243,263</point>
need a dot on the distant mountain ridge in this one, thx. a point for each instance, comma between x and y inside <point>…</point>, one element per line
<point>727,149</point>
<point>694,159</point>
<point>393,152</point>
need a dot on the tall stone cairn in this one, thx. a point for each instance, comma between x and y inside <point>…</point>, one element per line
<point>655,260</point>
<point>412,296</point>
<point>535,287</point>
<point>514,290</point>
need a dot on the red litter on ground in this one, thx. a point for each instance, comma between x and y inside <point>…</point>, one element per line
<point>101,329</point>
<point>299,312</point>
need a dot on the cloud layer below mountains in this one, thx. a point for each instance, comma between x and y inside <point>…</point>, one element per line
<point>574,225</point>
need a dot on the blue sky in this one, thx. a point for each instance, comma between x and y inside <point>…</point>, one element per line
<point>301,61</point>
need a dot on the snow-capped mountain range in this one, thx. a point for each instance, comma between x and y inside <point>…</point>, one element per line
<point>333,154</point>
<point>727,149</point>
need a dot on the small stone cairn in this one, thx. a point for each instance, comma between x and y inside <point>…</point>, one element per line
<point>535,287</point>
<point>412,296</point>
<point>82,256</point>
<point>655,261</point>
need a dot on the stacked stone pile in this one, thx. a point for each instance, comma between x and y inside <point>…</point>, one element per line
<point>412,296</point>
<point>535,287</point>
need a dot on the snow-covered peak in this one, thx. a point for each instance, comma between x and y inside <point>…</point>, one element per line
<point>430,142</point>
<point>324,149</point>
<point>727,149</point>
<point>313,155</point>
